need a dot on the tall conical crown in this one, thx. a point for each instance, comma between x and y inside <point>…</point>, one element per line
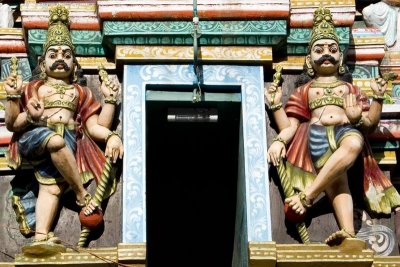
<point>323,26</point>
<point>58,32</point>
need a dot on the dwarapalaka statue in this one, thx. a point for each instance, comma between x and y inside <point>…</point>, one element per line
<point>324,124</point>
<point>56,122</point>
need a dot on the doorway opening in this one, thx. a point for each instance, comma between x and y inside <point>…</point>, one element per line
<point>191,185</point>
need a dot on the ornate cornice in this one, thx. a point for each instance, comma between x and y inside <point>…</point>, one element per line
<point>185,54</point>
<point>83,257</point>
<point>92,63</point>
<point>11,31</point>
<point>132,253</point>
<point>262,254</point>
<point>386,262</point>
<point>180,32</point>
<point>266,254</point>
<point>87,43</point>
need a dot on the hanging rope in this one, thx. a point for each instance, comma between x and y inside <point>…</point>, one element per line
<point>196,67</point>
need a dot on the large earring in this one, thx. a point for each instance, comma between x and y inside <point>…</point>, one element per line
<point>310,71</point>
<point>74,78</point>
<point>342,69</point>
<point>43,75</point>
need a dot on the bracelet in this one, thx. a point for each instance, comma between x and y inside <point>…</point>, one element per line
<point>110,100</point>
<point>378,97</point>
<point>279,139</point>
<point>112,134</point>
<point>276,107</point>
<point>13,97</point>
<point>360,122</point>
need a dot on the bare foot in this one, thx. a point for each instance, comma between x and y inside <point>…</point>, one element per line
<point>337,237</point>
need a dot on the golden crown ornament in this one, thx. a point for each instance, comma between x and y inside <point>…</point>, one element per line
<point>58,32</point>
<point>323,27</point>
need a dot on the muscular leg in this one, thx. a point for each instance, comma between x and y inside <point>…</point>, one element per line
<point>46,208</point>
<point>64,161</point>
<point>340,161</point>
<point>342,202</point>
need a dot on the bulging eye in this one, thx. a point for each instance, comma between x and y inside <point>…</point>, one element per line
<point>52,56</point>
<point>333,49</point>
<point>318,50</point>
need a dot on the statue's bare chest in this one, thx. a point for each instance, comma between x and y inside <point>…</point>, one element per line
<point>327,91</point>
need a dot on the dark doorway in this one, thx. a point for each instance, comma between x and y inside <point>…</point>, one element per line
<point>192,170</point>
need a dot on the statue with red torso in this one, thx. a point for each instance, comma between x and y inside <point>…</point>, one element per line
<point>56,123</point>
<point>332,117</point>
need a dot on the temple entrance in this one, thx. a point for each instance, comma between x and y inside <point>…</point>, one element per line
<point>191,183</point>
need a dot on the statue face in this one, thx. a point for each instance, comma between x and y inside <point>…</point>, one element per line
<point>325,57</point>
<point>59,62</point>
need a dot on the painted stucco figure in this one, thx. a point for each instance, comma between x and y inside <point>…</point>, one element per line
<point>56,123</point>
<point>324,124</point>
<point>385,16</point>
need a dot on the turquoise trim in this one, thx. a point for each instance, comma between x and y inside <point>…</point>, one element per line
<point>180,32</point>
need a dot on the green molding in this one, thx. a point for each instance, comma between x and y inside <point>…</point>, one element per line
<point>303,36</point>
<point>185,40</point>
<point>364,71</point>
<point>179,32</point>
<point>87,43</point>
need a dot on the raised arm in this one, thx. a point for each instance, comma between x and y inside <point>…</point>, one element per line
<point>15,120</point>
<point>273,98</point>
<point>111,90</point>
<point>371,119</point>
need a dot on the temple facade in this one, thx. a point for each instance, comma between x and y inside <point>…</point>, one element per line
<point>194,186</point>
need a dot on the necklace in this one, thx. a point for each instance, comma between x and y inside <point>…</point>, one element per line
<point>327,87</point>
<point>60,87</point>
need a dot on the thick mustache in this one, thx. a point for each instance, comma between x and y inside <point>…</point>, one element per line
<point>324,58</point>
<point>59,62</point>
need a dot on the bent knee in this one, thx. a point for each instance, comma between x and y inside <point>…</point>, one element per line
<point>53,189</point>
<point>55,143</point>
<point>353,144</point>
